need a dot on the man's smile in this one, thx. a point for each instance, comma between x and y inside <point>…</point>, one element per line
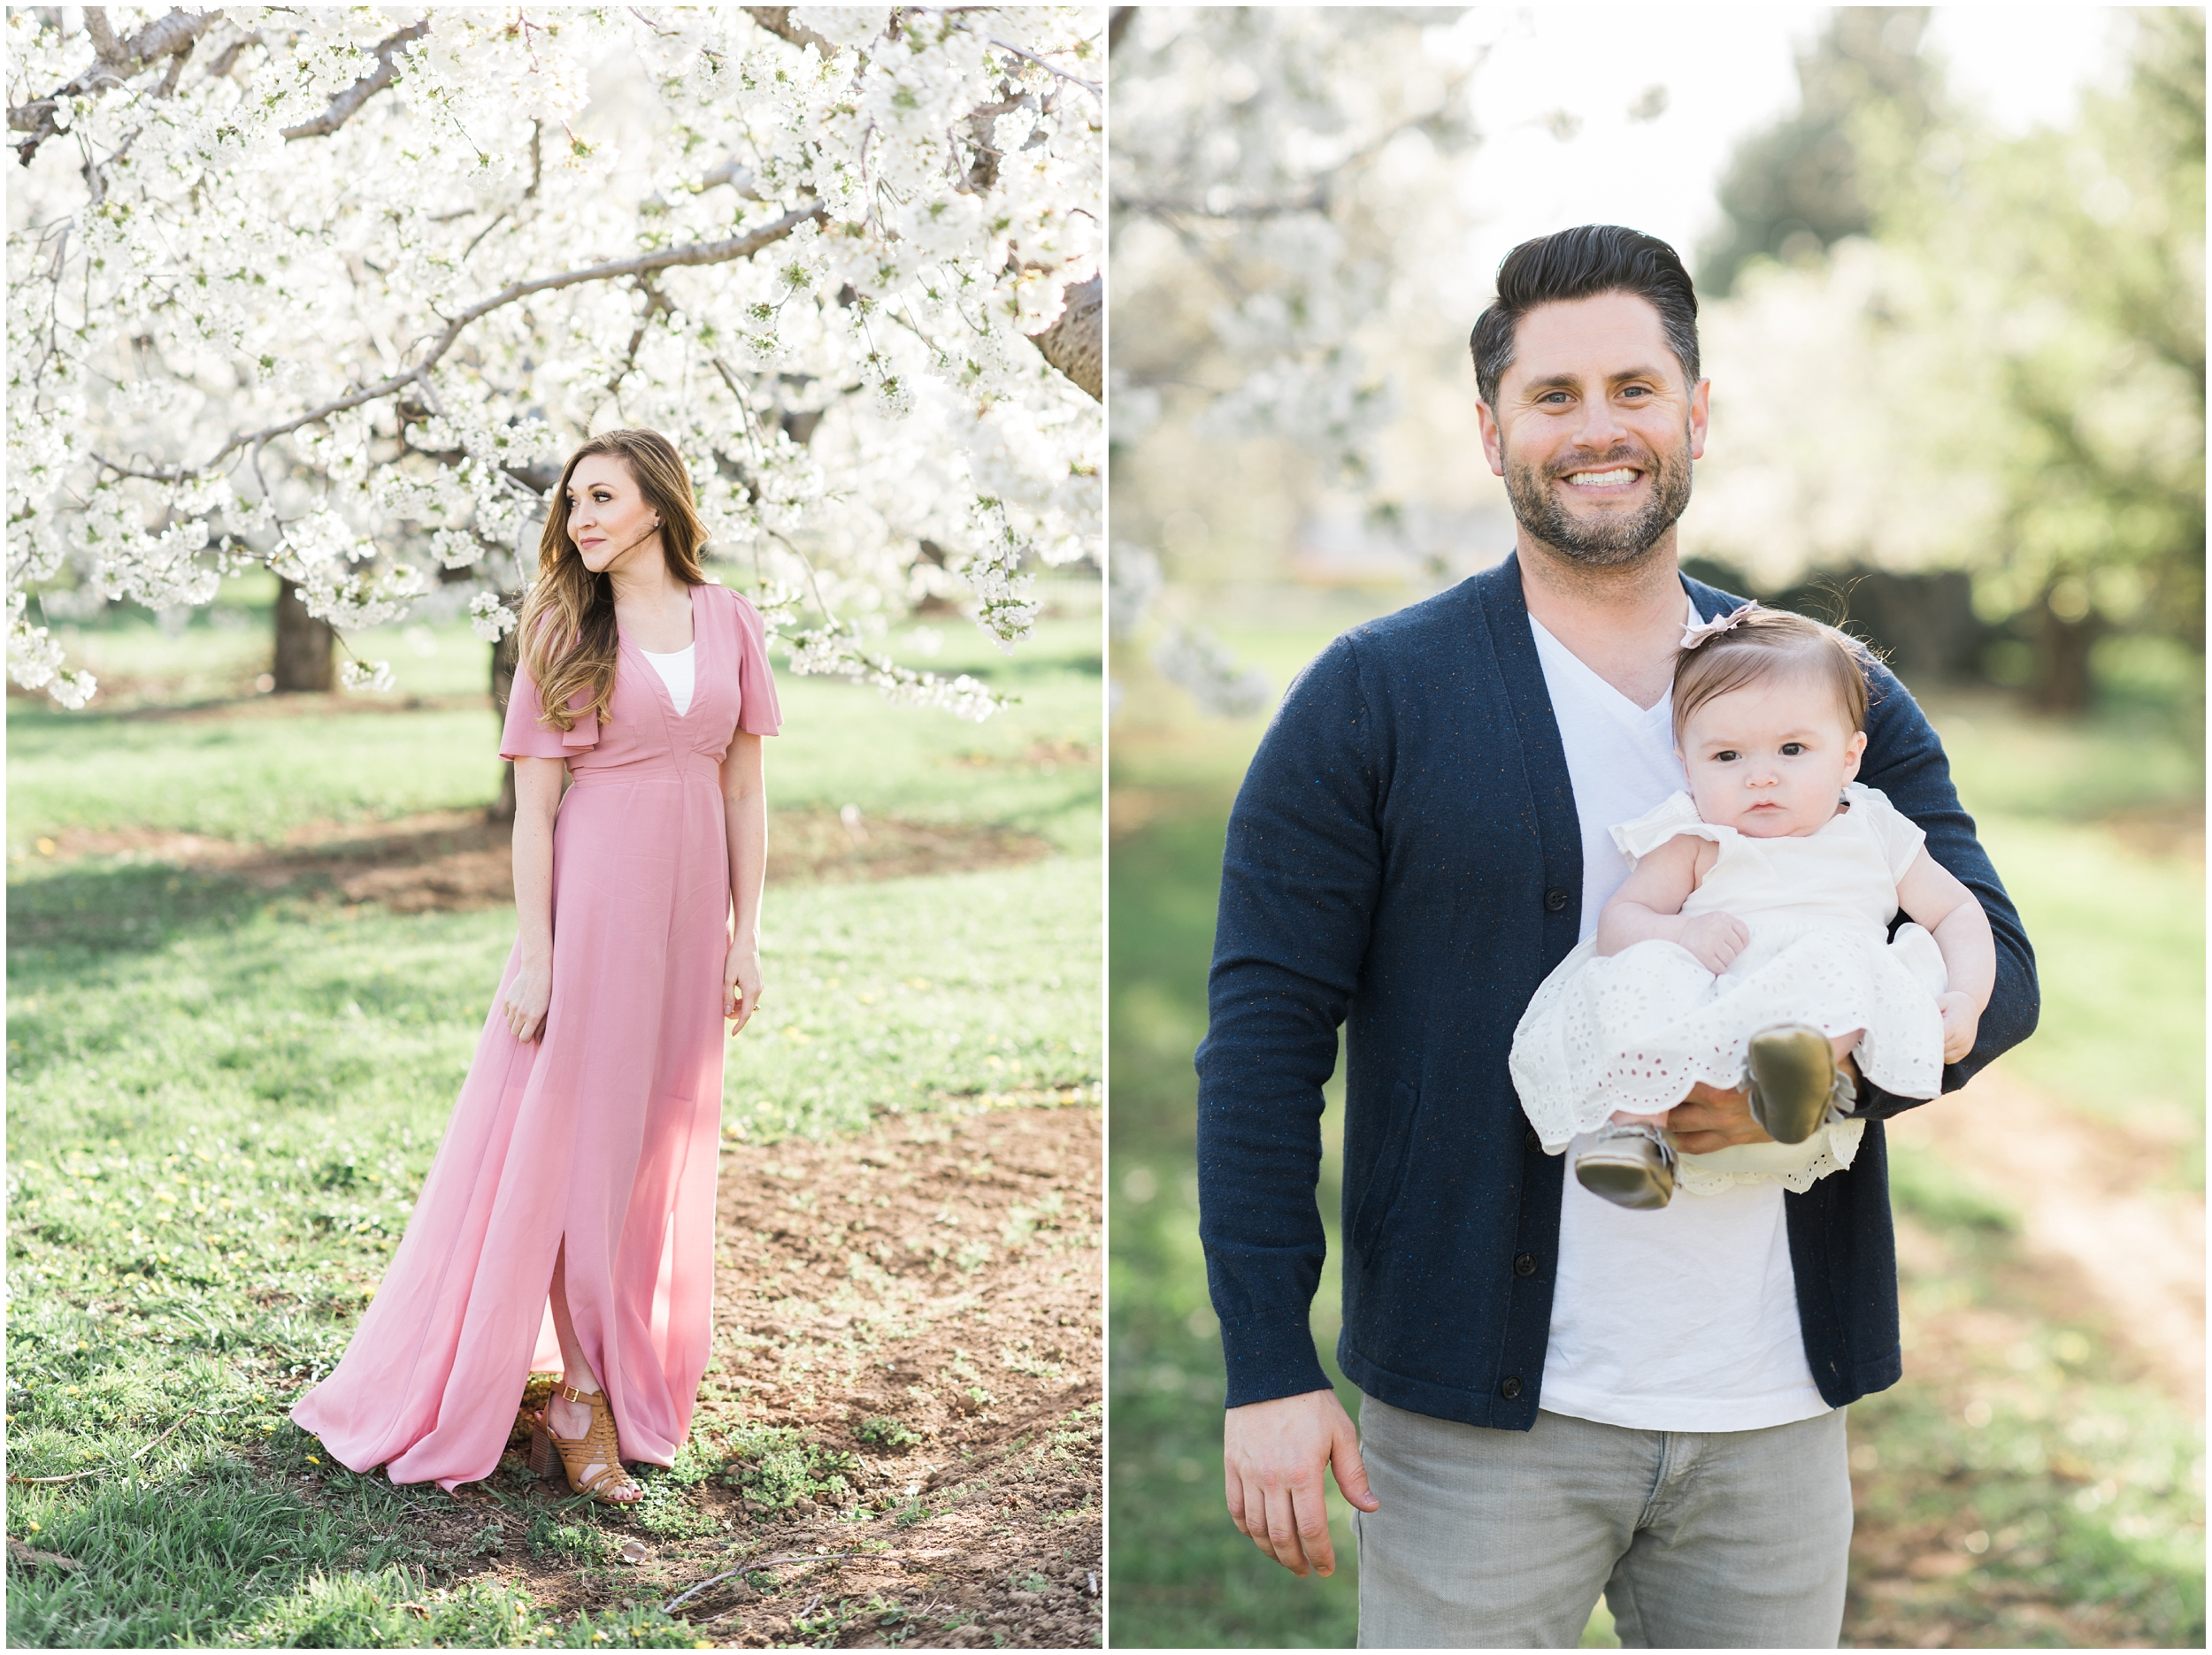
<point>1594,482</point>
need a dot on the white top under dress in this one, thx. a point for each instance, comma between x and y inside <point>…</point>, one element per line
<point>1684,1319</point>
<point>676,669</point>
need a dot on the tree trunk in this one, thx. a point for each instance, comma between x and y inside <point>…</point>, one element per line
<point>1075,344</point>
<point>303,645</point>
<point>777,20</point>
<point>506,655</point>
<point>2062,661</point>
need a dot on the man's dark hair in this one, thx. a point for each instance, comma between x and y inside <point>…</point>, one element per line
<point>1581,264</point>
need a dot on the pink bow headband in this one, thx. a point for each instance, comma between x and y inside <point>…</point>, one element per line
<point>1693,636</point>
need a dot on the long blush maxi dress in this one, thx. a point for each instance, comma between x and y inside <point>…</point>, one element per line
<point>605,1130</point>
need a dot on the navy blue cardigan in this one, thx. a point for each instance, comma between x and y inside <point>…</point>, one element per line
<point>1404,859</point>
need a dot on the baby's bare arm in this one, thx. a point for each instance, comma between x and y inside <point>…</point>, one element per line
<point>1929,894</point>
<point>1648,904</point>
<point>1648,908</point>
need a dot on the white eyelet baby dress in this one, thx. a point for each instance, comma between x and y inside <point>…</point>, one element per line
<point>1635,1031</point>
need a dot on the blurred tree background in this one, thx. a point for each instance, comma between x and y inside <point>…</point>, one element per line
<point>2014,326</point>
<point>1958,403</point>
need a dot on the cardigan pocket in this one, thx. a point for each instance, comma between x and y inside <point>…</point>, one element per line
<point>1380,1197</point>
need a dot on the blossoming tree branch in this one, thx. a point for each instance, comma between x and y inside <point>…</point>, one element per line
<point>330,290</point>
<point>1282,181</point>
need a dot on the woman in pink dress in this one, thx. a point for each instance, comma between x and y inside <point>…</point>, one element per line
<point>568,1219</point>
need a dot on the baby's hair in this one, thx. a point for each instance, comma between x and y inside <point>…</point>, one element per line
<point>1765,643</point>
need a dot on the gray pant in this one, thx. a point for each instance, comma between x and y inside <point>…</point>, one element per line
<point>1699,1539</point>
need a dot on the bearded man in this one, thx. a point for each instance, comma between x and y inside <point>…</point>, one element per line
<point>1561,1397</point>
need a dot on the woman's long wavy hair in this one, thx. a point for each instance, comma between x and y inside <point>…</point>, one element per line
<point>569,641</point>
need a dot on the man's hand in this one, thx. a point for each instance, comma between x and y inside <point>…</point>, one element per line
<point>1710,1119</point>
<point>1272,1458</point>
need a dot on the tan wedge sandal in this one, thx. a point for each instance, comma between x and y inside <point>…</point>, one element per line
<point>575,1454</point>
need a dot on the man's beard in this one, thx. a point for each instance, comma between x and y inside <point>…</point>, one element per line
<point>1605,541</point>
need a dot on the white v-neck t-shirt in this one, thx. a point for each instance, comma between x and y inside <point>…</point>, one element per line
<point>1684,1319</point>
<point>676,670</point>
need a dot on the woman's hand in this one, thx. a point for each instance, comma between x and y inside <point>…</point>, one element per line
<point>741,984</point>
<point>524,1004</point>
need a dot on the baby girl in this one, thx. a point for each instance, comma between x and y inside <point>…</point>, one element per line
<point>1749,946</point>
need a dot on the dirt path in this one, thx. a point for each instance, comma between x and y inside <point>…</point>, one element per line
<point>2112,1244</point>
<point>455,859</point>
<point>1955,1473</point>
<point>943,1274</point>
<point>900,1442</point>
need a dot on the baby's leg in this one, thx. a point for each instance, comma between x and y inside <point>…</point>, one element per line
<point>1628,1162</point>
<point>1841,1045</point>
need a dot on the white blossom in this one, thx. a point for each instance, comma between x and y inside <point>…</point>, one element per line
<point>856,26</point>
<point>1289,203</point>
<point>339,309</point>
<point>1192,658</point>
<point>490,619</point>
<point>364,677</point>
<point>1135,583</point>
<point>839,652</point>
<point>34,660</point>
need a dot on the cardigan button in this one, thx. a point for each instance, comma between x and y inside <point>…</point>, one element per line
<point>1510,1389</point>
<point>1530,1138</point>
<point>1556,901</point>
<point>1525,1265</point>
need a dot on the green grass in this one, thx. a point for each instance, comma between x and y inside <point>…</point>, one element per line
<point>276,763</point>
<point>2071,1504</point>
<point>2120,942</point>
<point>142,997</point>
<point>222,1100</point>
<point>2126,758</point>
<point>2118,932</point>
<point>1181,1575</point>
<point>206,1548</point>
<point>252,780</point>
